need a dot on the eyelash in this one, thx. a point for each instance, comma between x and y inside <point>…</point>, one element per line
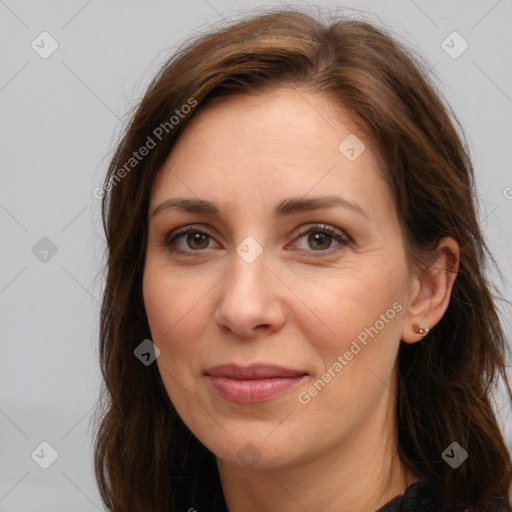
<point>342,238</point>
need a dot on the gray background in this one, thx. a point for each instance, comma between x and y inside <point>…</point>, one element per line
<point>59,118</point>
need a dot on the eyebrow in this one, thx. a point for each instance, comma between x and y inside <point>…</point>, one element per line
<point>284,208</point>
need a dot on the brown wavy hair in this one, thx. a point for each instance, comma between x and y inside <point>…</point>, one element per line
<point>146,459</point>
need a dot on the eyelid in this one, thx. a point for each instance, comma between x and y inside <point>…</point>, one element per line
<point>323,227</point>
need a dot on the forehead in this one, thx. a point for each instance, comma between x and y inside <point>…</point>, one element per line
<point>283,142</point>
<point>283,119</point>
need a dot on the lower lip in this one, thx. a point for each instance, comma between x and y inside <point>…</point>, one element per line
<point>253,391</point>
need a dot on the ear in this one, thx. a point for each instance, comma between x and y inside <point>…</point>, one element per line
<point>430,290</point>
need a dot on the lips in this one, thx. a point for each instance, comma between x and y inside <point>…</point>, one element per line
<point>257,371</point>
<point>252,384</point>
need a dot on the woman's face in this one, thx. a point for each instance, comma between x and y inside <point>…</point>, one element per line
<point>251,285</point>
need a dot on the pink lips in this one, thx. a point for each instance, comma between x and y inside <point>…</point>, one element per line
<point>252,384</point>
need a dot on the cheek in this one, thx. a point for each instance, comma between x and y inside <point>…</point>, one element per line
<point>172,321</point>
<point>171,301</point>
<point>356,332</point>
<point>357,341</point>
<point>159,305</point>
<point>178,314</point>
<point>345,306</point>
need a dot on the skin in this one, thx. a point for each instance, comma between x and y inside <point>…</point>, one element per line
<point>248,152</point>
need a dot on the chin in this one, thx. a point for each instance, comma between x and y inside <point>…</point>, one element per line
<point>254,451</point>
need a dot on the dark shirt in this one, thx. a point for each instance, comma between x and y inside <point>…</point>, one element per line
<point>420,496</point>
<point>423,496</point>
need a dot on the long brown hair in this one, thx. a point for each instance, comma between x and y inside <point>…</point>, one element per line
<point>145,457</point>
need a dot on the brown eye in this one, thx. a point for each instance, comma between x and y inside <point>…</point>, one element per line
<point>195,241</point>
<point>320,237</point>
<point>197,238</point>
<point>321,240</point>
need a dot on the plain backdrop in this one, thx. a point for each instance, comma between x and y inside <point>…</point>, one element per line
<point>59,116</point>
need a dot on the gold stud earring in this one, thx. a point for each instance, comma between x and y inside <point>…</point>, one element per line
<point>423,331</point>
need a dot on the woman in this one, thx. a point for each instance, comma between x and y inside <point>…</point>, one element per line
<point>331,341</point>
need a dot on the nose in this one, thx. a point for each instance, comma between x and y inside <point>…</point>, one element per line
<point>250,299</point>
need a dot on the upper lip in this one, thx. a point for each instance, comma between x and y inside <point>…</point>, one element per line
<point>255,371</point>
